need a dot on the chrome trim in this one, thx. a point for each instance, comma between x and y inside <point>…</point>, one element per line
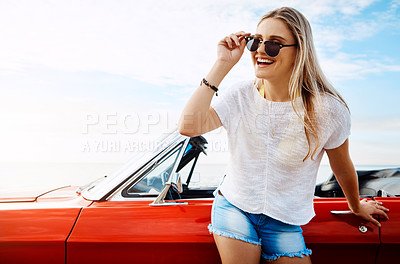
<point>383,193</point>
<point>118,197</point>
<point>120,178</point>
<point>363,229</point>
<point>177,181</point>
<point>159,201</point>
<point>177,162</point>
<point>341,212</point>
<point>166,203</point>
<point>83,187</point>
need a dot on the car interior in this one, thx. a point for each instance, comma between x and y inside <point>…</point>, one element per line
<point>372,183</point>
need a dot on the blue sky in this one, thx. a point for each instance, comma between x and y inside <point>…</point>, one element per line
<point>74,74</point>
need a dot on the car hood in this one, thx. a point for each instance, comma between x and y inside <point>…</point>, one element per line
<point>31,195</point>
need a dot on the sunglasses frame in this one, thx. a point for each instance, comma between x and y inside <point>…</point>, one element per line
<point>248,38</point>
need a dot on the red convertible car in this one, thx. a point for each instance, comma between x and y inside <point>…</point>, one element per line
<point>150,212</point>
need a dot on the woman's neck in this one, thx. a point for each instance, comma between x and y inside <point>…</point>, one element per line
<point>278,92</point>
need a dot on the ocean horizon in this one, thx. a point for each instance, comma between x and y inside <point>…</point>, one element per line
<point>24,175</point>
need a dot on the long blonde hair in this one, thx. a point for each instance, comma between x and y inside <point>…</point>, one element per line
<point>307,78</point>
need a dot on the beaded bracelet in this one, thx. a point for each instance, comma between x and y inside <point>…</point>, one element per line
<point>209,85</point>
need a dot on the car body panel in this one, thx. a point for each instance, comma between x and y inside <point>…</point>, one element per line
<point>390,247</point>
<point>126,217</point>
<point>27,195</point>
<point>41,239</point>
<point>37,231</point>
<point>116,231</point>
<point>334,238</point>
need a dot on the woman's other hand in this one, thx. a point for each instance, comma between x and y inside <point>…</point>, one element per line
<point>230,49</point>
<point>367,209</point>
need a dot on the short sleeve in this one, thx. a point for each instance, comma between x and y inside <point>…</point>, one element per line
<point>339,124</point>
<point>226,104</point>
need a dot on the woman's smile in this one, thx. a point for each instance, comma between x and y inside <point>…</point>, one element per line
<point>263,62</point>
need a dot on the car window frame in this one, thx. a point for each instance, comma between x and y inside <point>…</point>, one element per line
<point>124,191</point>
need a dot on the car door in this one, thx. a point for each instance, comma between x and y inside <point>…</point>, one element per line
<point>337,236</point>
<point>135,232</point>
<point>130,227</point>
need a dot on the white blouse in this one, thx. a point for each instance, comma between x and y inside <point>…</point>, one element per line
<point>266,173</point>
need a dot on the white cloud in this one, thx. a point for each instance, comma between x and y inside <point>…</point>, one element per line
<point>172,42</point>
<point>153,41</point>
<point>331,37</point>
<point>160,42</point>
<point>344,66</point>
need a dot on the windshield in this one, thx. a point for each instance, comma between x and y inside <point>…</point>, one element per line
<point>97,190</point>
<point>142,157</point>
<point>154,181</point>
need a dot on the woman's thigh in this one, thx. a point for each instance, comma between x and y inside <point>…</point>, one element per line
<point>282,242</point>
<point>231,222</point>
<point>238,236</point>
<point>288,260</point>
<point>237,251</point>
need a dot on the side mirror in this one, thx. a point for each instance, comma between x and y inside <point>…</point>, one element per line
<point>176,181</point>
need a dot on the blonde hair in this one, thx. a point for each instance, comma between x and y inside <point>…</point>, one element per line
<point>307,78</point>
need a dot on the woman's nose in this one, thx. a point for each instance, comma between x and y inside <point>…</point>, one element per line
<point>261,48</point>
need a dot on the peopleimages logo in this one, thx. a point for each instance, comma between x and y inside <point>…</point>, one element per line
<point>132,132</point>
<point>127,123</point>
<point>120,145</point>
<point>134,146</point>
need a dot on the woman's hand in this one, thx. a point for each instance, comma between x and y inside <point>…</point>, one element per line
<point>230,49</point>
<point>369,208</point>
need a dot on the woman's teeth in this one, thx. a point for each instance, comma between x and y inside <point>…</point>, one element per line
<point>264,61</point>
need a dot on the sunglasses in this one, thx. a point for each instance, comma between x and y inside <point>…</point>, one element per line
<point>272,48</point>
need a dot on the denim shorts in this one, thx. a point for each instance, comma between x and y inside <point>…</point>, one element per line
<point>276,238</point>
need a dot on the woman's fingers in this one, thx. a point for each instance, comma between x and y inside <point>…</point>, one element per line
<point>374,221</point>
<point>242,34</point>
<point>381,212</point>
<point>228,41</point>
<point>238,36</point>
<point>370,208</point>
<point>234,39</point>
<point>230,48</point>
<point>379,208</point>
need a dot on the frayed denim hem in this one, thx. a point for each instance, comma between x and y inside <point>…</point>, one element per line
<point>300,254</point>
<point>230,235</point>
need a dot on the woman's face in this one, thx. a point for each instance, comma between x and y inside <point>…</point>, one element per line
<point>280,67</point>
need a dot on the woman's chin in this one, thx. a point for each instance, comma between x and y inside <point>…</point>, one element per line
<point>263,75</point>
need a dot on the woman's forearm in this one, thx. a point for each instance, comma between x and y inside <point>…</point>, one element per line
<point>349,183</point>
<point>195,118</point>
<point>343,168</point>
<point>345,173</point>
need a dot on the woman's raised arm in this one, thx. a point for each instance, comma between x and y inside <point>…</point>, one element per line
<point>197,116</point>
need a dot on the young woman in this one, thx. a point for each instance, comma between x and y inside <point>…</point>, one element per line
<point>278,126</point>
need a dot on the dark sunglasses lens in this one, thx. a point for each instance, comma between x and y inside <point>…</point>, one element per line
<point>272,49</point>
<point>252,44</point>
